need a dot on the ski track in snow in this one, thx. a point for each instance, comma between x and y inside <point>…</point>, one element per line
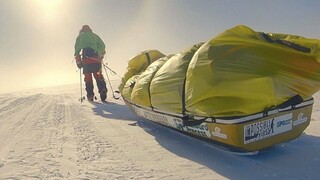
<point>49,134</point>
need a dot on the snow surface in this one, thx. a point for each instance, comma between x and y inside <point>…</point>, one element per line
<point>49,134</point>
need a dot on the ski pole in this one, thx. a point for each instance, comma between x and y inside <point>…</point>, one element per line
<point>105,65</point>
<point>113,92</point>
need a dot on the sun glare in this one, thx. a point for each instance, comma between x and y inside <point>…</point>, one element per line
<point>49,8</point>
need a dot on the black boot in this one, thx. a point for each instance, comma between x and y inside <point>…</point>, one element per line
<point>102,89</point>
<point>103,95</point>
<point>89,89</point>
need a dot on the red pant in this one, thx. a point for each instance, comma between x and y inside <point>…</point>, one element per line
<point>97,75</point>
<point>92,66</point>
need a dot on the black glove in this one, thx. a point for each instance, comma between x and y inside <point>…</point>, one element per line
<point>79,65</point>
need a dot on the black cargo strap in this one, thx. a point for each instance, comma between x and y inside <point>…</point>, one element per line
<point>148,58</point>
<point>286,43</point>
<point>187,122</point>
<point>186,119</point>
<point>183,97</point>
<point>297,99</point>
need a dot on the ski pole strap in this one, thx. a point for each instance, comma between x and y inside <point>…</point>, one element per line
<point>110,69</point>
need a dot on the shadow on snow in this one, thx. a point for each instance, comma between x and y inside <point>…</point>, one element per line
<point>296,159</point>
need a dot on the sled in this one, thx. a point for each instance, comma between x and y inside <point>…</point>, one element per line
<point>240,134</point>
<point>243,90</point>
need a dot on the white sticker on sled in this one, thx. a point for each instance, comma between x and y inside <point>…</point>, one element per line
<point>264,129</point>
<point>300,119</point>
<point>217,133</point>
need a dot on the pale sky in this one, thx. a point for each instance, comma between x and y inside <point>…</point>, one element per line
<point>38,36</point>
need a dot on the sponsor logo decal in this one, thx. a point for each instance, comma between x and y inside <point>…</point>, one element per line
<point>156,117</point>
<point>217,133</point>
<point>300,119</point>
<point>201,129</point>
<point>162,119</point>
<point>267,128</point>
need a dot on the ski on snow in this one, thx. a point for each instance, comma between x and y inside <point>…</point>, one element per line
<point>92,101</point>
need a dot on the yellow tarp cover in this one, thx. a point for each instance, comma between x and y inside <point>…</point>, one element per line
<point>141,91</point>
<point>239,72</point>
<point>167,86</point>
<point>139,63</point>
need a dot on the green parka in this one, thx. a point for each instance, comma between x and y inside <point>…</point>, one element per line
<point>92,40</point>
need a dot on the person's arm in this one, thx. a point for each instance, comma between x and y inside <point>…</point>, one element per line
<point>101,47</point>
<point>76,47</point>
<point>77,56</point>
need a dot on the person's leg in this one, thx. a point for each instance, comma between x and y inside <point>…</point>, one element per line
<point>89,86</point>
<point>101,83</point>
